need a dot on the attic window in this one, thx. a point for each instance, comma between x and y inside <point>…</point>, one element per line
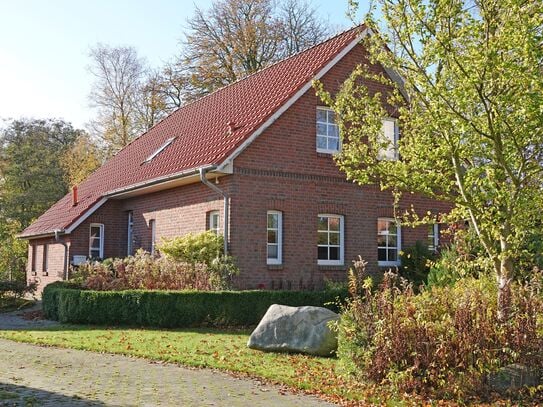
<point>159,150</point>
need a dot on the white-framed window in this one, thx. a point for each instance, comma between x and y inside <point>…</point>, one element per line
<point>391,136</point>
<point>275,237</point>
<point>96,241</point>
<point>433,237</point>
<point>130,234</point>
<point>389,237</point>
<point>327,131</point>
<point>330,241</point>
<point>214,219</point>
<point>152,226</point>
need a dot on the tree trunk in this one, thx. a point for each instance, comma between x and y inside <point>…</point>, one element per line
<point>504,278</point>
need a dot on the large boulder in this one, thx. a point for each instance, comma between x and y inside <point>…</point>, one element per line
<point>295,329</point>
<point>513,377</point>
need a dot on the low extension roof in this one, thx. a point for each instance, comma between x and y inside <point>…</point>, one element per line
<point>202,136</point>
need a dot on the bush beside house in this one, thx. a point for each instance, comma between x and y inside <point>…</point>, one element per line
<point>443,342</point>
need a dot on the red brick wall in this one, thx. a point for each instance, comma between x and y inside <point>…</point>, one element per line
<point>280,170</point>
<point>43,273</point>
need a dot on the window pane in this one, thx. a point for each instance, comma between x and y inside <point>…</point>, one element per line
<point>323,238</point>
<point>272,251</point>
<point>392,228</point>
<point>321,129</point>
<point>382,226</point>
<point>334,224</point>
<point>95,232</point>
<point>392,255</point>
<point>95,253</point>
<point>95,243</point>
<point>334,253</point>
<point>321,142</point>
<point>321,115</point>
<point>272,220</point>
<point>382,254</point>
<point>381,240</point>
<point>323,223</point>
<point>331,116</point>
<point>323,253</point>
<point>333,144</point>
<point>272,236</point>
<point>334,238</point>
<point>333,131</point>
<point>392,241</point>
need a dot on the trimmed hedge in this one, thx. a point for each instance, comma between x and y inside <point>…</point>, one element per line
<point>69,303</point>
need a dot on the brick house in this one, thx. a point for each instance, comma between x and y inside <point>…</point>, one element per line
<point>253,161</point>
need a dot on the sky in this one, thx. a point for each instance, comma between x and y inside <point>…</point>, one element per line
<point>44,47</point>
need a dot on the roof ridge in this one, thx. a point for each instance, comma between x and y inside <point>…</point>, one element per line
<point>359,26</point>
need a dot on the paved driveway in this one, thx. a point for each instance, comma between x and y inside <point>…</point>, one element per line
<point>39,376</point>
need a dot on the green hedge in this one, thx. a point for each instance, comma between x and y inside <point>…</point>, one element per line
<point>67,303</point>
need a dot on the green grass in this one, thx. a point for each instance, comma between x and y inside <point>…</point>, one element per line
<point>206,348</point>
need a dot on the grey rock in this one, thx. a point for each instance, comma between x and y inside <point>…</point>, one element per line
<point>295,329</point>
<point>513,377</point>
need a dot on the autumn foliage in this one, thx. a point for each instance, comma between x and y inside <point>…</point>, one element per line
<point>442,342</point>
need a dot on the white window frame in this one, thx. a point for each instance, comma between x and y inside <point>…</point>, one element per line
<point>391,152</point>
<point>101,226</point>
<point>152,225</point>
<point>389,263</point>
<point>341,260</point>
<point>130,234</point>
<point>327,123</point>
<point>434,236</point>
<point>279,231</point>
<point>215,229</point>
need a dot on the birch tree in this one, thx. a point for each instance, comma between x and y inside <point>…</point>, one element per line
<point>472,129</point>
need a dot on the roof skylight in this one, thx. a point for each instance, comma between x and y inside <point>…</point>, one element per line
<point>159,150</point>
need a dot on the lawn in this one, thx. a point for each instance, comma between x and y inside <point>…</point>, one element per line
<point>209,348</point>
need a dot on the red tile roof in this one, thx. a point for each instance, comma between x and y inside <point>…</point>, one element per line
<point>200,129</point>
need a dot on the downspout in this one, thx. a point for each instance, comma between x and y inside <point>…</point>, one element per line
<point>65,262</point>
<point>215,188</point>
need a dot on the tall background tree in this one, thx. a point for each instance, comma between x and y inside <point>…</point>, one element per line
<point>235,38</point>
<point>125,94</point>
<point>472,132</point>
<point>32,178</point>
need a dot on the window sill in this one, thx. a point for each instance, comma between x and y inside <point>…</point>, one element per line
<point>45,273</point>
<point>331,267</point>
<point>275,266</point>
<point>326,154</point>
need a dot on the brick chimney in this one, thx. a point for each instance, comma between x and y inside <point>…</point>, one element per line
<point>74,196</point>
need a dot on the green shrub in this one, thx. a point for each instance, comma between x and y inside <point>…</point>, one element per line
<point>69,304</point>
<point>201,248</point>
<point>416,262</point>
<point>442,342</point>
